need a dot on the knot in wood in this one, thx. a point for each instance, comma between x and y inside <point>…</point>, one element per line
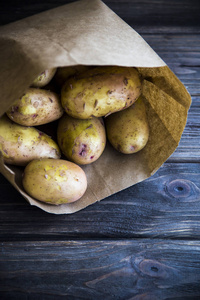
<point>179,188</point>
<point>153,268</point>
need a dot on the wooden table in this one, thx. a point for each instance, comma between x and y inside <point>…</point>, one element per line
<point>142,243</point>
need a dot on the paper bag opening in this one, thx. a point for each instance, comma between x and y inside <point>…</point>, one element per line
<point>75,34</point>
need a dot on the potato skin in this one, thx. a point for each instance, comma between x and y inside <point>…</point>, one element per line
<point>63,73</point>
<point>128,130</point>
<point>54,181</point>
<point>44,78</point>
<point>36,107</point>
<point>19,144</point>
<point>81,141</point>
<point>101,91</point>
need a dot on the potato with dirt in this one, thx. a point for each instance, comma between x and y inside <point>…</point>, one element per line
<point>54,181</point>
<point>44,78</point>
<point>101,91</point>
<point>81,141</point>
<point>21,144</point>
<point>128,130</point>
<point>36,107</point>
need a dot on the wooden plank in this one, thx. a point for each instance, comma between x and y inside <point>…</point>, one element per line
<point>157,12</point>
<point>152,13</point>
<point>100,269</point>
<point>164,29</point>
<point>167,205</point>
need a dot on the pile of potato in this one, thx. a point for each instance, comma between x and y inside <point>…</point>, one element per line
<point>91,105</point>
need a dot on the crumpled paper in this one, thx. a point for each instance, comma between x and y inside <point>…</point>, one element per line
<point>87,32</point>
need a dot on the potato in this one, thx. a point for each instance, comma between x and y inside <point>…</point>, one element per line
<point>19,144</point>
<point>128,130</point>
<point>54,181</point>
<point>63,73</point>
<point>82,141</point>
<point>44,78</point>
<point>101,91</point>
<point>36,107</point>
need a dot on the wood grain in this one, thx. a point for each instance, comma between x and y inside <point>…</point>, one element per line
<point>167,205</point>
<point>141,243</point>
<point>101,269</point>
<point>152,13</point>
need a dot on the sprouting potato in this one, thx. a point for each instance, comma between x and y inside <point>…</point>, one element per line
<point>36,107</point>
<point>54,181</point>
<point>44,78</point>
<point>81,141</point>
<point>128,130</point>
<point>20,144</point>
<point>100,91</point>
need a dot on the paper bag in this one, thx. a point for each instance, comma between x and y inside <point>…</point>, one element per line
<point>89,33</point>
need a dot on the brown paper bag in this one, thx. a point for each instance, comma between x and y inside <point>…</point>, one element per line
<point>87,32</point>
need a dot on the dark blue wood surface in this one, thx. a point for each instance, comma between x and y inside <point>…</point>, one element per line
<point>141,243</point>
